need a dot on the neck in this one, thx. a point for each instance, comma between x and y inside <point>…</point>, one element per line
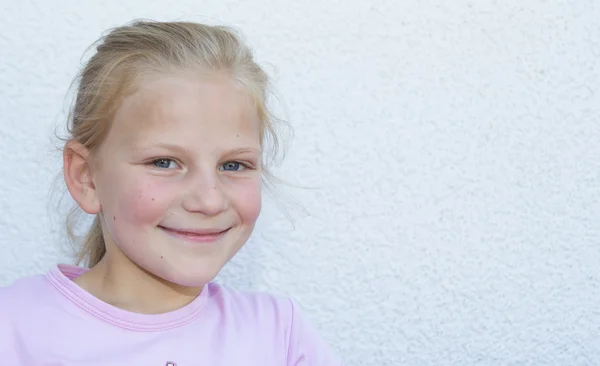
<point>130,287</point>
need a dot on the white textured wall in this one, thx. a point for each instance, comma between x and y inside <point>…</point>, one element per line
<point>453,148</point>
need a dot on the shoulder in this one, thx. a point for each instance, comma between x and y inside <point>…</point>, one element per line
<point>20,303</point>
<point>284,316</point>
<point>245,303</point>
<point>22,293</point>
<point>26,300</point>
<point>306,345</point>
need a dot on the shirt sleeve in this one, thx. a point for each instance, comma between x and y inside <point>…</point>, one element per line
<point>306,346</point>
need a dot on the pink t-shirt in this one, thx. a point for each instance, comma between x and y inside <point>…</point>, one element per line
<point>50,321</point>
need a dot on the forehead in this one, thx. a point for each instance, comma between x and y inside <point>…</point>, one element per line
<point>188,109</point>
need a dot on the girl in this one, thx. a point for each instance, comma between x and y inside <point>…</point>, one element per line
<point>167,134</point>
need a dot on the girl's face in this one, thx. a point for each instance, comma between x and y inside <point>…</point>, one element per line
<point>178,177</point>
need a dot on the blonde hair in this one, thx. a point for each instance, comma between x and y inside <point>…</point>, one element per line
<point>126,51</point>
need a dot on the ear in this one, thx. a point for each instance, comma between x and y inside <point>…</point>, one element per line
<point>79,178</point>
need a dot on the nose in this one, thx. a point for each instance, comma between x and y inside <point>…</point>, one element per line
<point>205,195</point>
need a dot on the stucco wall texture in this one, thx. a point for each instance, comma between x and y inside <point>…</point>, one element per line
<point>443,178</point>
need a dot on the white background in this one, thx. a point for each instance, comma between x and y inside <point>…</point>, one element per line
<point>449,150</point>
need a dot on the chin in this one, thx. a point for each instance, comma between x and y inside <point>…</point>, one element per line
<point>189,278</point>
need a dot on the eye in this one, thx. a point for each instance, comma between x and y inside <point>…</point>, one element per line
<point>232,166</point>
<point>165,163</point>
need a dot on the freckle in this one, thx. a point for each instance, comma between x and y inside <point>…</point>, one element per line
<point>152,199</point>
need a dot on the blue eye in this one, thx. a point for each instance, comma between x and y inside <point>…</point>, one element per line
<point>232,166</point>
<point>164,163</point>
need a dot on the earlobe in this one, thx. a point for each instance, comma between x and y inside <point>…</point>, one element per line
<point>78,177</point>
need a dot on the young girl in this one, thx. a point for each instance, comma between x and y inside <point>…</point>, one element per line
<point>167,137</point>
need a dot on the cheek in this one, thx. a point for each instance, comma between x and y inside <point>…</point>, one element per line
<point>247,200</point>
<point>143,202</point>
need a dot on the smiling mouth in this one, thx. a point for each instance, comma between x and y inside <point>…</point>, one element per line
<point>203,236</point>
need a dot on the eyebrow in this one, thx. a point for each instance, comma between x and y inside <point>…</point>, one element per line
<point>180,149</point>
<point>244,150</point>
<point>172,147</point>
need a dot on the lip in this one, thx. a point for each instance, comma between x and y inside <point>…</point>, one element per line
<point>196,235</point>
